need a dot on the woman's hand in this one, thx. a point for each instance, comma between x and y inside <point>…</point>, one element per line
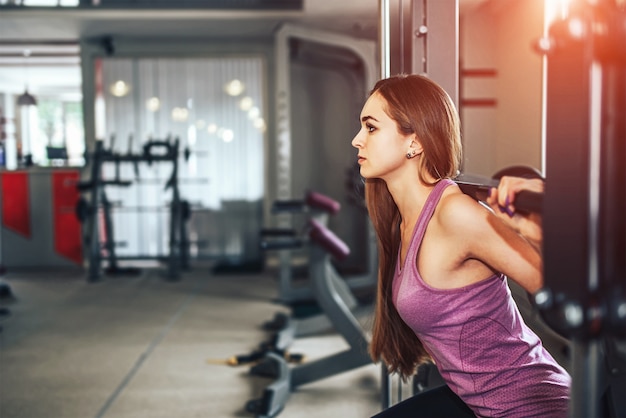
<point>502,202</point>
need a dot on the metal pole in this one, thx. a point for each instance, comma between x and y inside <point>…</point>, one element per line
<point>435,43</point>
<point>385,379</point>
<point>385,72</point>
<point>586,366</point>
<point>384,43</point>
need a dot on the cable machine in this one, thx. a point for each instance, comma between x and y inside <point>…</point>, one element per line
<point>584,211</point>
<point>584,206</point>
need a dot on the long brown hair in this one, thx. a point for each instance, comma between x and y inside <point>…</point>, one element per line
<point>419,106</point>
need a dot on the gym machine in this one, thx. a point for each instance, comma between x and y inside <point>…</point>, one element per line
<point>306,318</point>
<point>315,205</point>
<point>298,298</point>
<point>329,290</point>
<point>6,295</point>
<point>88,210</point>
<point>584,206</point>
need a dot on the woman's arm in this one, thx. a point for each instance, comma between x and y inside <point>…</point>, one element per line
<point>482,235</point>
<point>502,202</point>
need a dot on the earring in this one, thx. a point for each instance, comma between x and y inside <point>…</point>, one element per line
<point>410,155</point>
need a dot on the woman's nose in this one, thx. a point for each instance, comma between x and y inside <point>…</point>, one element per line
<point>356,141</point>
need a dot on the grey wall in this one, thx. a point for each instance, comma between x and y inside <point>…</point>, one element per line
<point>326,103</point>
<point>499,37</point>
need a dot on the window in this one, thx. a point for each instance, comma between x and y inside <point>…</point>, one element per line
<point>59,137</point>
<point>214,107</point>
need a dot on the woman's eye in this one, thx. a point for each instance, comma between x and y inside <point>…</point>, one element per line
<point>370,128</point>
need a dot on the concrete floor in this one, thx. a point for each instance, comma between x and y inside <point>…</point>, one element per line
<point>131,347</point>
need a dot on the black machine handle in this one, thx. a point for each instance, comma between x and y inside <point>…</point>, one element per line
<point>530,202</point>
<point>277,232</point>
<point>312,199</point>
<point>478,187</point>
<point>288,206</point>
<point>281,244</point>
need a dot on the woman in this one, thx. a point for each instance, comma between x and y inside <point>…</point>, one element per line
<point>444,260</point>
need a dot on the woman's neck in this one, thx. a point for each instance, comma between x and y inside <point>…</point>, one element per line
<point>410,199</point>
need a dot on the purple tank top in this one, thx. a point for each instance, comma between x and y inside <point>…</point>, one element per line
<point>478,339</point>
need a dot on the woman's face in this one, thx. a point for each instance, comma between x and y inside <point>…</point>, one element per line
<point>381,147</point>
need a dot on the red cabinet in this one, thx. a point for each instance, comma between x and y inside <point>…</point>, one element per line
<point>39,225</point>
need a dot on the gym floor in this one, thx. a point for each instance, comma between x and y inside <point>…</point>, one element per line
<point>146,347</point>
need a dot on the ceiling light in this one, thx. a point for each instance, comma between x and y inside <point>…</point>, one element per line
<point>234,87</point>
<point>259,123</point>
<point>119,89</point>
<point>153,104</point>
<point>227,135</point>
<point>254,113</point>
<point>246,103</point>
<point>26,99</point>
<point>180,114</point>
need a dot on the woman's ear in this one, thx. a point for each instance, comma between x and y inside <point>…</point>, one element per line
<point>416,145</point>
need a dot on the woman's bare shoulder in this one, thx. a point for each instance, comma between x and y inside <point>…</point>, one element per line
<point>459,212</point>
